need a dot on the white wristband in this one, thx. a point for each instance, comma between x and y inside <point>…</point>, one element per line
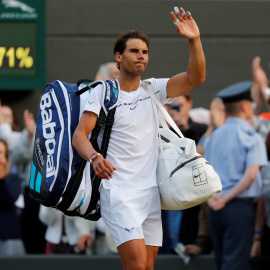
<point>266,92</point>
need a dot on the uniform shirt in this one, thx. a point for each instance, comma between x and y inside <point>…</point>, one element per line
<point>266,191</point>
<point>231,148</point>
<point>133,142</point>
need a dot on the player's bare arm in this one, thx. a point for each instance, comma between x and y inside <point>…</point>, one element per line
<point>195,75</point>
<point>102,167</point>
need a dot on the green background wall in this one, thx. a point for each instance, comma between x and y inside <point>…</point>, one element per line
<point>81,33</point>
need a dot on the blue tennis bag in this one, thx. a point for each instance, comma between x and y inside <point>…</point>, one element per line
<point>60,178</point>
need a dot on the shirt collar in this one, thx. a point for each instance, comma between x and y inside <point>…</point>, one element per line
<point>232,120</point>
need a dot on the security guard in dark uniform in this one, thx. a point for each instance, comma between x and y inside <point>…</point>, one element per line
<point>236,152</point>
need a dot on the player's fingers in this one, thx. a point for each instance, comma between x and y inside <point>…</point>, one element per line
<point>182,14</point>
<point>102,175</point>
<point>104,171</point>
<point>175,20</point>
<point>108,172</point>
<point>109,166</point>
<point>89,242</point>
<point>173,16</point>
<point>98,171</point>
<point>106,168</point>
<point>189,15</point>
<point>178,14</point>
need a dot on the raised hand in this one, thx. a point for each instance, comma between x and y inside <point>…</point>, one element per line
<point>259,75</point>
<point>29,123</point>
<point>185,24</point>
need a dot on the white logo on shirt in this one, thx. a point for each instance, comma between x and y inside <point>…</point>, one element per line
<point>134,107</point>
<point>108,96</point>
<point>136,103</point>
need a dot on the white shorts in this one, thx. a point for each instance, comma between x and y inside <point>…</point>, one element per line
<point>132,215</point>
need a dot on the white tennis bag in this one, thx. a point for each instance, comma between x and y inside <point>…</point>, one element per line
<point>184,177</point>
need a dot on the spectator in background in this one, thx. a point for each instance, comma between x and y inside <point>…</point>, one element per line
<point>217,119</point>
<point>203,242</point>
<point>260,90</point>
<point>236,152</point>
<point>9,130</point>
<point>261,239</point>
<point>32,229</point>
<point>21,155</point>
<point>20,145</point>
<point>17,139</point>
<point>107,71</point>
<point>200,115</point>
<point>179,111</point>
<point>63,232</point>
<point>10,188</point>
<point>185,222</point>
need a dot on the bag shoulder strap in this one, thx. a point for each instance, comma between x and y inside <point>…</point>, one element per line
<point>149,89</point>
<point>107,122</point>
<point>110,91</point>
<point>110,97</point>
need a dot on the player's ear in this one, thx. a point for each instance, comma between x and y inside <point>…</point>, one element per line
<point>118,57</point>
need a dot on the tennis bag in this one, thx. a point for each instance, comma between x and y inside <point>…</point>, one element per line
<point>60,178</point>
<point>184,177</point>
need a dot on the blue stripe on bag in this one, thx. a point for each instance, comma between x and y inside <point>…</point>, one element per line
<point>81,202</point>
<point>32,177</point>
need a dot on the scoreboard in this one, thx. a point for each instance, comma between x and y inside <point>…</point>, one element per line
<point>22,44</point>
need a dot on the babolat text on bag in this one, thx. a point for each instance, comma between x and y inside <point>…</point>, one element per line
<point>60,178</point>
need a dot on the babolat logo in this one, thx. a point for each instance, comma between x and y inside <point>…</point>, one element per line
<point>39,152</point>
<point>114,84</point>
<point>108,96</point>
<point>48,132</point>
<point>114,88</point>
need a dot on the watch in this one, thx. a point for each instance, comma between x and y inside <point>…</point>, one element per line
<point>94,156</point>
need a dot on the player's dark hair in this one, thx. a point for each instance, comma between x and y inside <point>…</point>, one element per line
<point>120,43</point>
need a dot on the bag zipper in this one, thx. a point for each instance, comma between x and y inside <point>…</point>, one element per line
<point>183,164</point>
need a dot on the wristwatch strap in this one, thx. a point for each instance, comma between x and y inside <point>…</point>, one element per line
<point>94,156</point>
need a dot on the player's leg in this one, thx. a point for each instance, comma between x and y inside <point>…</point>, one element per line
<point>133,254</point>
<point>151,256</point>
<point>152,228</point>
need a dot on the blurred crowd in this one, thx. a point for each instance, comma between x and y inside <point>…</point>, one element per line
<point>29,228</point>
